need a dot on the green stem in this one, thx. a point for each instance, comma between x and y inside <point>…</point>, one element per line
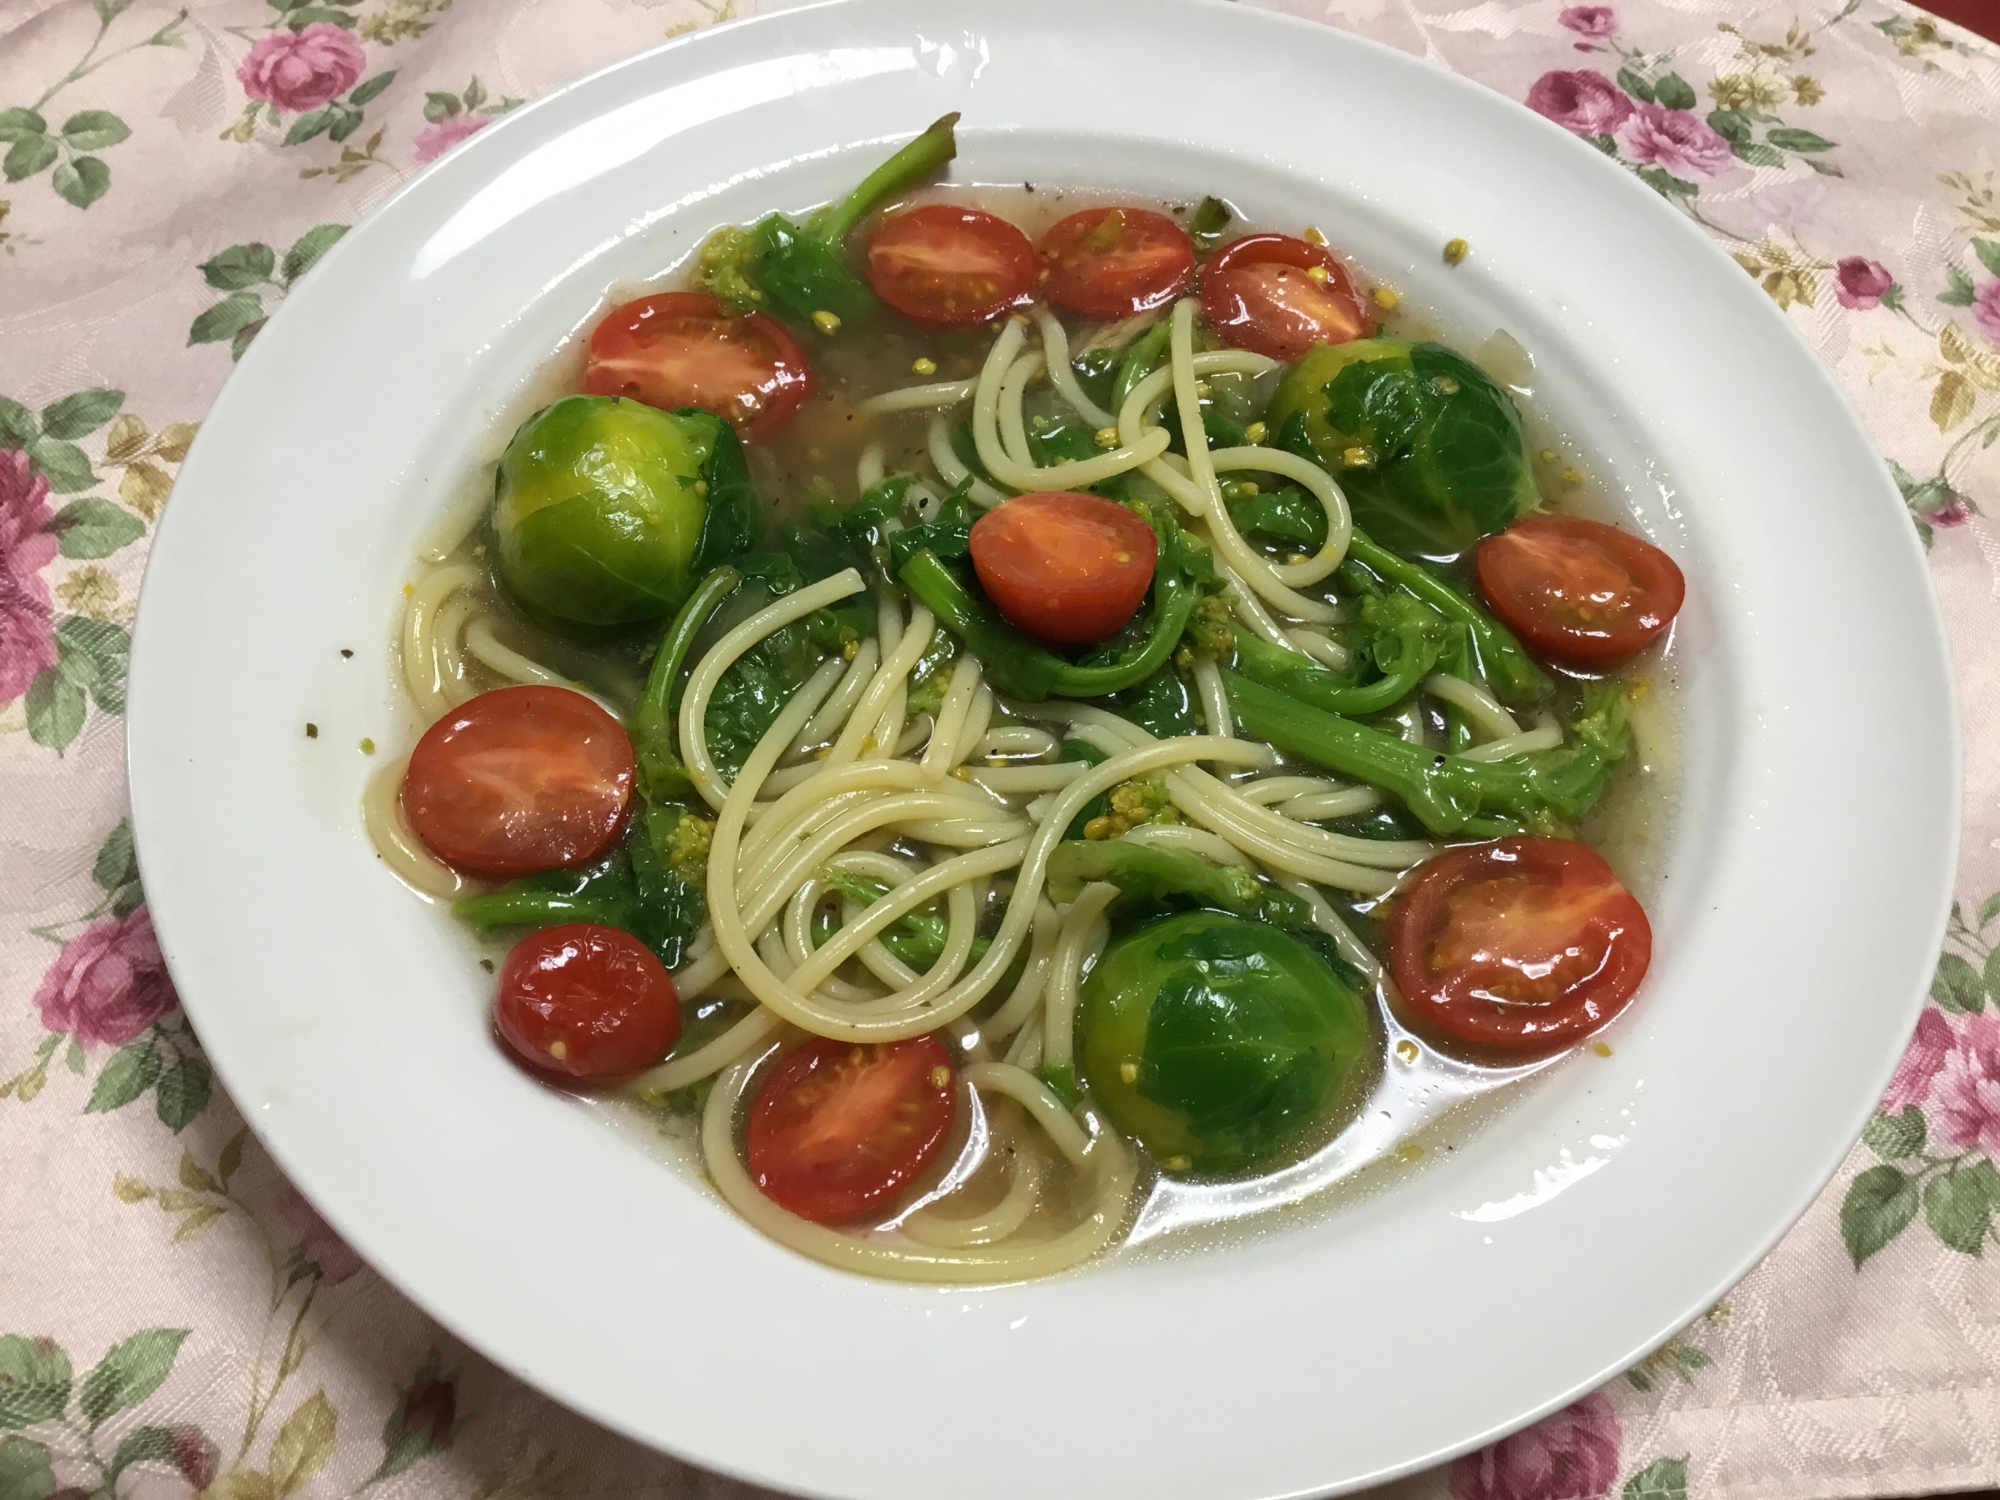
<point>1024,670</point>
<point>1140,359</point>
<point>1298,677</point>
<point>1543,791</point>
<point>664,679</point>
<point>1902,310</point>
<point>1432,786</point>
<point>652,725</point>
<point>87,1441</point>
<point>261,1400</point>
<point>76,72</point>
<point>921,158</point>
<point>1515,678</point>
<point>86,67</point>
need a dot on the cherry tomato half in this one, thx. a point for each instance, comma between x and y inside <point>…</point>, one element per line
<point>520,779</point>
<point>950,266</point>
<point>1064,567</point>
<point>681,349</point>
<point>1517,948</point>
<point>1260,294</point>
<point>587,1002</point>
<point>1579,591</point>
<point>1113,262</point>
<point>840,1127</point>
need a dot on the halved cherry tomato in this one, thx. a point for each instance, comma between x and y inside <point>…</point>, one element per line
<point>1517,948</point>
<point>520,779</point>
<point>1113,262</point>
<point>1579,591</point>
<point>587,1002</point>
<point>951,266</point>
<point>1067,568</point>
<point>1260,294</point>
<point>681,349</point>
<point>840,1127</point>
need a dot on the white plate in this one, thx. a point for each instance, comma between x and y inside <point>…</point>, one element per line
<point>1796,926</point>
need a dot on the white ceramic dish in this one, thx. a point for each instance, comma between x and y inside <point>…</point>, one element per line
<point>1796,924</point>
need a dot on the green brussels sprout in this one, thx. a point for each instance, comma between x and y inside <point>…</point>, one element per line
<point>1428,448</point>
<point>607,511</point>
<point>1218,1042</point>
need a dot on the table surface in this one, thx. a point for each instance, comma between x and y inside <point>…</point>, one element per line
<point>174,1317</point>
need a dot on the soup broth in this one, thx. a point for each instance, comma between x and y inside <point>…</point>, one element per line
<point>998,937</point>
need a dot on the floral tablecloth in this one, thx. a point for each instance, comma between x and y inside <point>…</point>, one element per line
<point>174,1317</point>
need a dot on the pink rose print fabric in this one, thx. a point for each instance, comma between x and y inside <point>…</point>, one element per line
<point>1573,1455</point>
<point>441,137</point>
<point>109,984</point>
<point>27,546</point>
<point>1986,311</point>
<point>1594,21</point>
<point>184,1322</point>
<point>1675,140</point>
<point>303,70</point>
<point>1912,1081</point>
<point>1965,1091</point>
<point>1584,101</point>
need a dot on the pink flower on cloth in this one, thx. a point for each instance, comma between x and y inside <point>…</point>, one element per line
<point>1954,512</point>
<point>434,140</point>
<point>1965,1095</point>
<point>1859,283</point>
<point>1584,101</point>
<point>318,1242</point>
<point>1572,1455</point>
<point>1594,21</point>
<point>193,1454</point>
<point>109,983</point>
<point>27,545</point>
<point>301,71</point>
<point>1675,140</point>
<point>1986,310</point>
<point>1911,1083</point>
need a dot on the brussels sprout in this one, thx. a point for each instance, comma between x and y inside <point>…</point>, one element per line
<point>607,511</point>
<point>1218,1042</point>
<point>1428,448</point>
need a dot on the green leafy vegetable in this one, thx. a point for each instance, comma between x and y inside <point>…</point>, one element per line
<point>758,685</point>
<point>1017,665</point>
<point>917,937</point>
<point>1457,659</point>
<point>1287,517</point>
<point>1151,876</point>
<point>653,886</point>
<point>1220,1043</point>
<point>1211,218</point>
<point>1544,791</point>
<point>726,269</point>
<point>1404,641</point>
<point>804,266</point>
<point>946,535</point>
<point>1161,705</point>
<point>1502,659</point>
<point>651,727</point>
<point>1428,448</point>
<point>1144,355</point>
<point>607,511</point>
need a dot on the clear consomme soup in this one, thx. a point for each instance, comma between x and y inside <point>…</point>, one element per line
<point>1044,1160</point>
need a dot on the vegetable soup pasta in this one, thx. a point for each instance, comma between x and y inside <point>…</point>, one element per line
<point>1022,726</point>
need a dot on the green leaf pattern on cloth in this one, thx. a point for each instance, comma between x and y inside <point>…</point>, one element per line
<point>168,176</point>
